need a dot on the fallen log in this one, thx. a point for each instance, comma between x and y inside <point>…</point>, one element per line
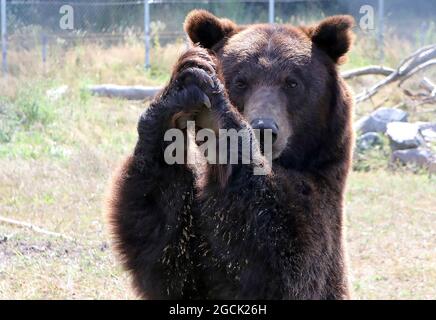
<point>421,67</point>
<point>124,92</point>
<point>370,70</point>
<point>429,86</point>
<point>406,69</point>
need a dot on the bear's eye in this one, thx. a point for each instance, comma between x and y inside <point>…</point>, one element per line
<point>291,83</point>
<point>241,83</point>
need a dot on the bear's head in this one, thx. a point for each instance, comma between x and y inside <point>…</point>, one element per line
<point>283,78</point>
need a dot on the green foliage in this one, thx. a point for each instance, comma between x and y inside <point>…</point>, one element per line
<point>155,28</point>
<point>31,109</point>
<point>427,36</point>
<point>8,121</point>
<point>374,158</point>
<point>29,124</point>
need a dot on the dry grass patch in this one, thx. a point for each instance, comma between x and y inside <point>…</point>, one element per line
<point>391,221</point>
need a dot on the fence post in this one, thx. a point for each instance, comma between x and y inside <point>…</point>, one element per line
<point>271,11</point>
<point>381,9</point>
<point>147,32</point>
<point>44,50</point>
<point>3,36</point>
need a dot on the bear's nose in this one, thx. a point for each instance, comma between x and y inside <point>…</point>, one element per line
<point>264,124</point>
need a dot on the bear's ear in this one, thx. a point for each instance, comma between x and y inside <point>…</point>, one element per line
<point>333,35</point>
<point>207,30</point>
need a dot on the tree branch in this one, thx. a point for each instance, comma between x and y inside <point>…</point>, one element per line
<point>33,228</point>
<point>376,70</point>
<point>429,86</point>
<point>417,69</point>
<point>406,68</point>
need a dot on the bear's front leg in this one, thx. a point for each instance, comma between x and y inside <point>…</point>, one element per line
<point>151,205</point>
<point>236,142</point>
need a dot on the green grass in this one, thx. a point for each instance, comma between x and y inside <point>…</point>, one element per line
<point>35,127</point>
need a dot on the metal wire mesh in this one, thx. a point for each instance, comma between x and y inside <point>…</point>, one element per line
<point>38,23</point>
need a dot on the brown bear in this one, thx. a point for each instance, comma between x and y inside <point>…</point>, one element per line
<point>223,232</point>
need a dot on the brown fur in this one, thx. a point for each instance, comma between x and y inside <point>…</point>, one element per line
<point>223,232</point>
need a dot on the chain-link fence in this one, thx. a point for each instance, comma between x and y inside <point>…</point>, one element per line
<point>50,25</point>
